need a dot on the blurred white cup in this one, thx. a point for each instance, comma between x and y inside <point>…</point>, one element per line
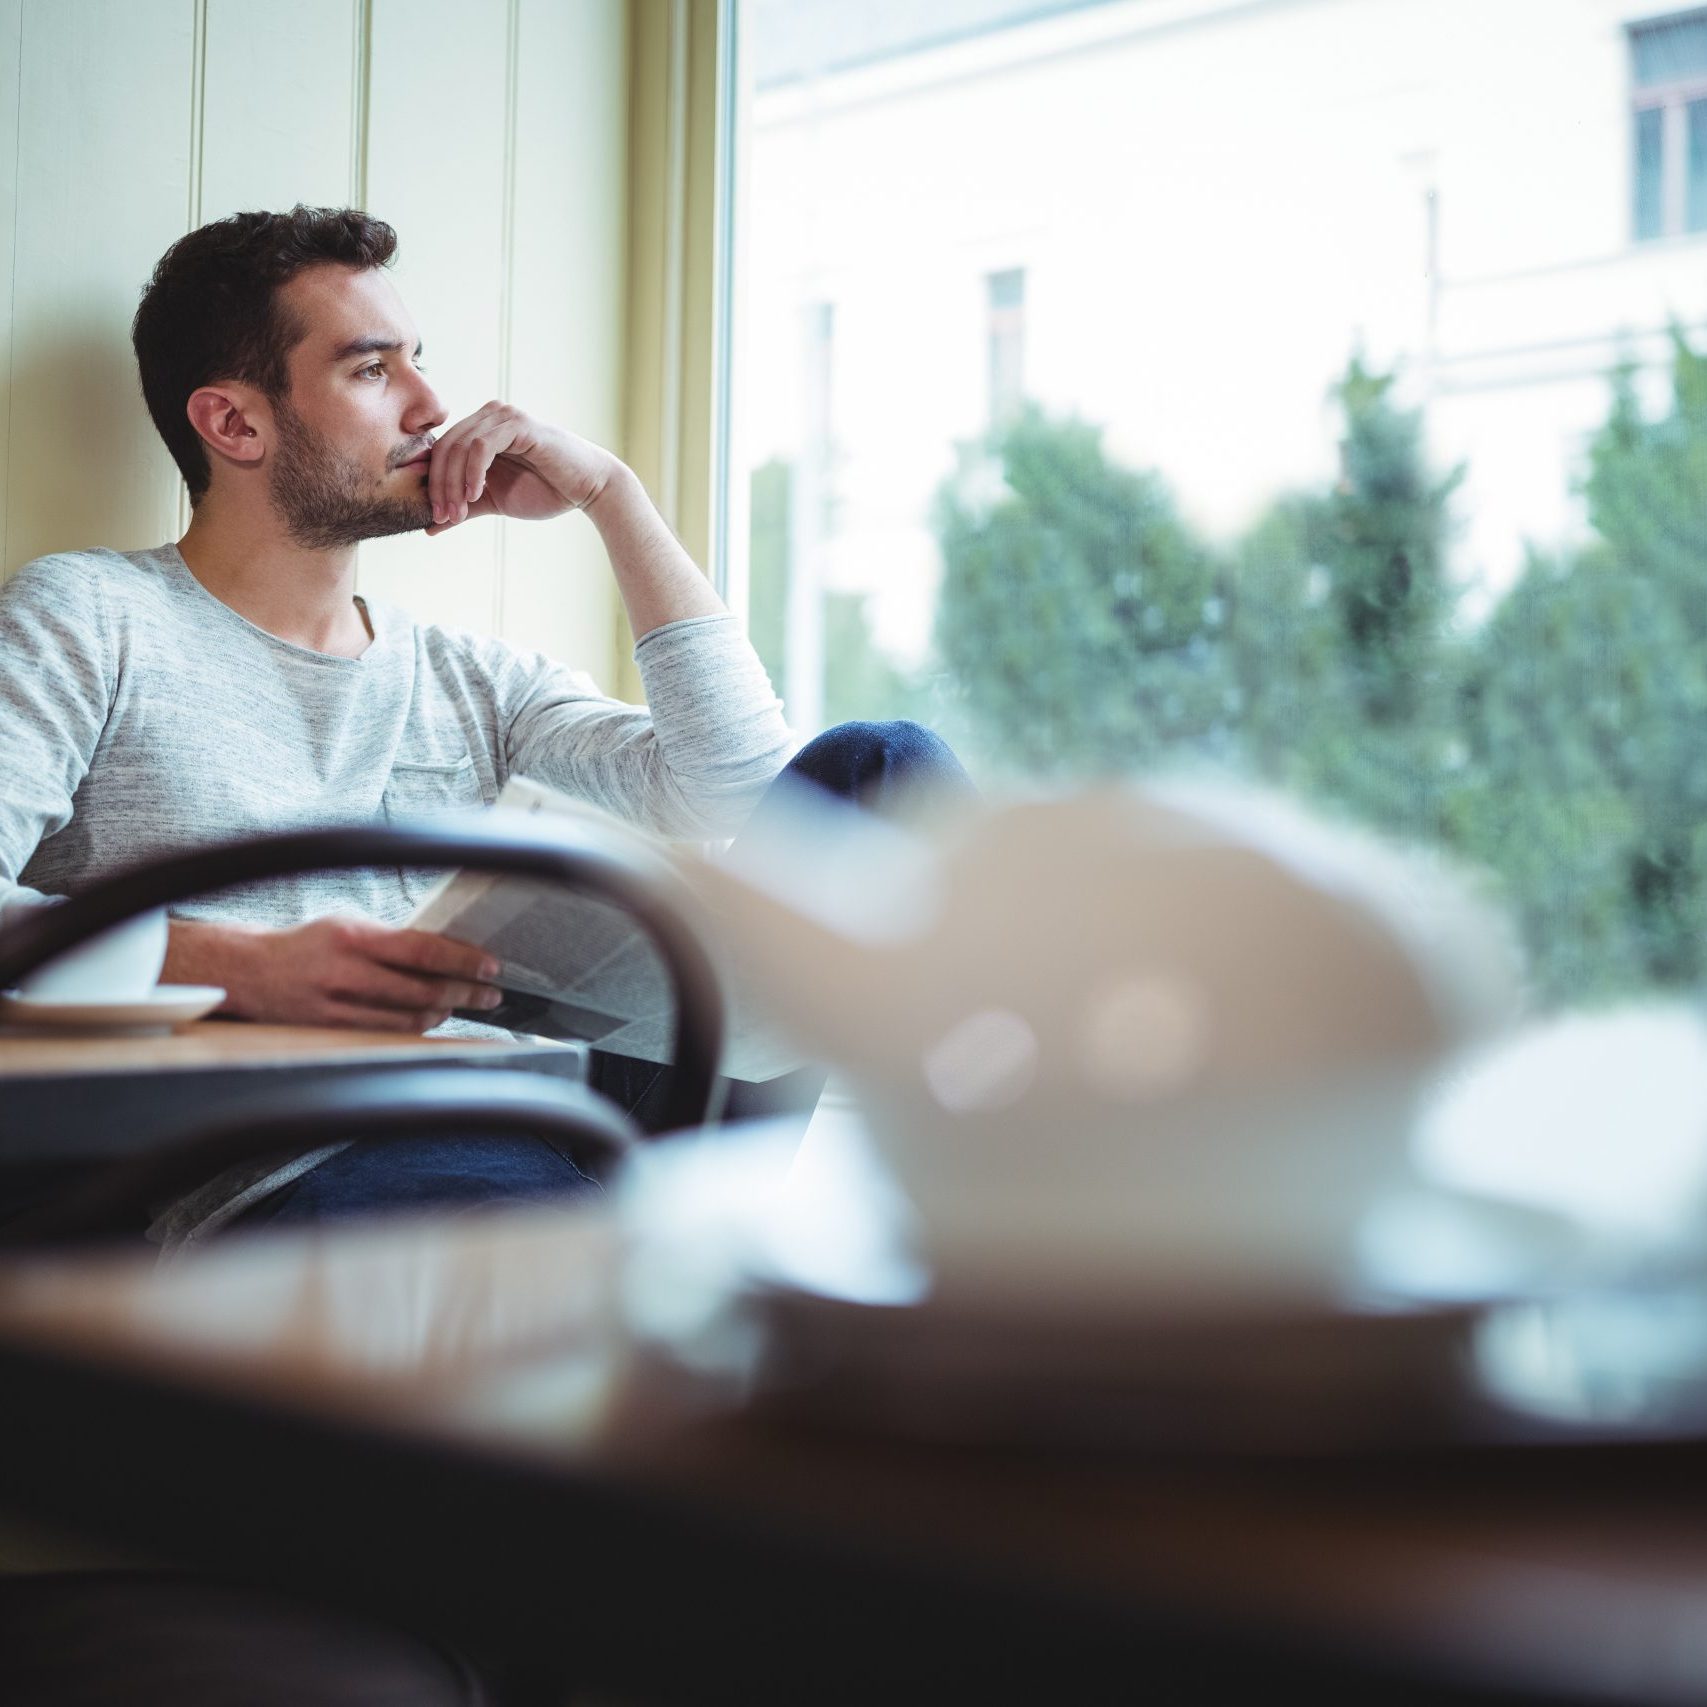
<point>120,965</point>
<point>1132,1035</point>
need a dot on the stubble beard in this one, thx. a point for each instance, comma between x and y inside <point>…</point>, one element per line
<point>325,499</point>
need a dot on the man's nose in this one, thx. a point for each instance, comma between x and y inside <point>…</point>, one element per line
<point>425,411</point>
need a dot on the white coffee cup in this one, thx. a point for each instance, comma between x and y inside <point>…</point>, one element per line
<point>120,965</point>
<point>1137,1035</point>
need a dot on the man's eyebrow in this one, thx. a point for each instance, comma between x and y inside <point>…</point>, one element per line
<point>371,345</point>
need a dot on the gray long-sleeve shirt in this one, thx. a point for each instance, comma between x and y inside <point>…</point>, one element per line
<point>140,715</point>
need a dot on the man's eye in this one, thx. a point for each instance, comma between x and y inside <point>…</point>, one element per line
<point>372,369</point>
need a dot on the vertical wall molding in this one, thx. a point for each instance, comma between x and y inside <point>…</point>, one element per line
<point>361,101</point>
<point>507,265</point>
<point>198,115</point>
<point>193,214</point>
<point>11,89</point>
<point>361,87</point>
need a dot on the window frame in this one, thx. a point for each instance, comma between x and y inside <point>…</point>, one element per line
<point>1672,100</point>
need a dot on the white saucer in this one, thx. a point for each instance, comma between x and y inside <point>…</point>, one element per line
<point>159,1010</point>
<point>1229,1361</point>
<point>806,1285</point>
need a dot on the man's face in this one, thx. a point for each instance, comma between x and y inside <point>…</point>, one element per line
<point>353,430</point>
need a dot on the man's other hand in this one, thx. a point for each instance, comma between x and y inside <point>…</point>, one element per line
<point>335,971</point>
<point>500,462</point>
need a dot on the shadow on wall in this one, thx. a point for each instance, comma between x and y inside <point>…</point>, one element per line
<point>84,464</point>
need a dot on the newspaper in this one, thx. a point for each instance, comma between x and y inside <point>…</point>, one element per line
<point>579,969</point>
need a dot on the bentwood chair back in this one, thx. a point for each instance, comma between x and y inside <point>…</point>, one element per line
<point>394,1105</point>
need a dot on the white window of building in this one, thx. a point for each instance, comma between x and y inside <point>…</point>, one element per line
<point>1005,301</point>
<point>1669,140</point>
<point>818,448</point>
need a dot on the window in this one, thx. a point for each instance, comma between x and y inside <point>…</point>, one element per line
<point>1287,450</point>
<point>1669,74</point>
<point>792,517</point>
<point>1006,296</point>
<point>819,412</point>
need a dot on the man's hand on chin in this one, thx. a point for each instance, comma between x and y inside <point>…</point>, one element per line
<point>500,462</point>
<point>335,971</point>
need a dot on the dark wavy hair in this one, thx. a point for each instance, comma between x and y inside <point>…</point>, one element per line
<point>211,310</point>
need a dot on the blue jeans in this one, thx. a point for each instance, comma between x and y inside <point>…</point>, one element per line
<point>873,765</point>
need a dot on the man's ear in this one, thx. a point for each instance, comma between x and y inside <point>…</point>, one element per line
<point>232,421</point>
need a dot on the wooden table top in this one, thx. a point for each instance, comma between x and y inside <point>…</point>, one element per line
<point>222,1043</point>
<point>500,1331</point>
<point>68,1099</point>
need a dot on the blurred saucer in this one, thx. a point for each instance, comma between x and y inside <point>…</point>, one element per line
<point>813,1291</point>
<point>162,1008</point>
<point>1290,1381</point>
<point>1377,1354</point>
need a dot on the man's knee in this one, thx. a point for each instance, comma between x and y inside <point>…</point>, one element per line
<point>864,744</point>
<point>876,763</point>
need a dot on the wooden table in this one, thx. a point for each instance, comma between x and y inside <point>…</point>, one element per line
<point>67,1099</point>
<point>443,1422</point>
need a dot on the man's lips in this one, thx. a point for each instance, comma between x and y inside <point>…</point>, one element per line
<point>419,460</point>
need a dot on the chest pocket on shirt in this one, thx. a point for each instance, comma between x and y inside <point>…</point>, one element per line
<point>426,790</point>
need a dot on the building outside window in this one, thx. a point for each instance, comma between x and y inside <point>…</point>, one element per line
<point>1352,447</point>
<point>1669,146</point>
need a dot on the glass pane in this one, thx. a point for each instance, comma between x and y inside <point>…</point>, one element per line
<point>1650,174</point>
<point>1695,201</point>
<point>1122,390</point>
<point>1007,289</point>
<point>1006,293</point>
<point>1674,51</point>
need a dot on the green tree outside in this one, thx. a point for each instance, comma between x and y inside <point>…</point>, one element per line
<point>1560,745</point>
<point>1341,634</point>
<point>1078,620</point>
<point>1585,714</point>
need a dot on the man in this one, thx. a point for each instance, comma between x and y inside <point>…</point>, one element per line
<point>235,681</point>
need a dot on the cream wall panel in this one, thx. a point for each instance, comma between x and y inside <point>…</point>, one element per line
<point>11,30</point>
<point>281,104</point>
<point>492,134</point>
<point>102,173</point>
<point>437,116</point>
<point>566,306</point>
